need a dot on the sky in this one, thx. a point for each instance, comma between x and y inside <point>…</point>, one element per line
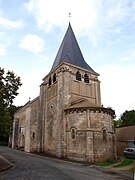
<point>31,32</point>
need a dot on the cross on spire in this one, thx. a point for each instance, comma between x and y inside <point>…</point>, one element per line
<point>69,16</point>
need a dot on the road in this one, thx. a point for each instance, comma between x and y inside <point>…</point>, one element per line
<point>34,167</point>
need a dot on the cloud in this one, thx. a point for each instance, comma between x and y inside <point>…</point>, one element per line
<point>92,18</point>
<point>47,15</point>
<point>128,56</point>
<point>32,43</point>
<point>8,24</point>
<point>117,84</point>
<point>30,88</point>
<point>2,50</point>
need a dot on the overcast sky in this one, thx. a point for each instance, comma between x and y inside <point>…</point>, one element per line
<point>31,32</point>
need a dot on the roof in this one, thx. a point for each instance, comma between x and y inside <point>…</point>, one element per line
<point>82,103</point>
<point>70,52</point>
<point>27,104</point>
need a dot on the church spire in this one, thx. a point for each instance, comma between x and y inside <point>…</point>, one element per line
<point>70,52</point>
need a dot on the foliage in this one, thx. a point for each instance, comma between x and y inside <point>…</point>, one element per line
<point>9,85</point>
<point>117,123</point>
<point>12,109</point>
<point>126,119</point>
<point>125,162</point>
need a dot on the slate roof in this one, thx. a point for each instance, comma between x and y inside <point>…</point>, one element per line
<point>70,52</point>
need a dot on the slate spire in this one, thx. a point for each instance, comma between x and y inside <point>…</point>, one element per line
<point>70,52</point>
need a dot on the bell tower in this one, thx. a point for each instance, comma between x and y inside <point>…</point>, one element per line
<point>70,78</point>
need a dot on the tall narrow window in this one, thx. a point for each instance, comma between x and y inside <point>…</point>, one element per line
<point>73,133</point>
<point>33,135</point>
<point>86,78</point>
<point>54,77</point>
<point>104,136</point>
<point>78,76</point>
<point>50,81</point>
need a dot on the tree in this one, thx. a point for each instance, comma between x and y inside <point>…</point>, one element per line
<point>9,85</point>
<point>117,123</point>
<point>126,119</point>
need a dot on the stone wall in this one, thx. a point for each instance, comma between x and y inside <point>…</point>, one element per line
<point>18,138</point>
<point>84,133</point>
<point>85,138</point>
<point>76,128</point>
<point>25,127</point>
<point>15,135</point>
<point>123,135</point>
<point>59,94</point>
<point>34,120</point>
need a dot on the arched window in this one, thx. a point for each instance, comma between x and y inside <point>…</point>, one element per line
<point>78,76</point>
<point>50,81</point>
<point>54,77</point>
<point>33,135</point>
<point>73,134</point>
<point>86,78</point>
<point>104,135</point>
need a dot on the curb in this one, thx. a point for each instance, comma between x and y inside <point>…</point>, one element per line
<point>8,164</point>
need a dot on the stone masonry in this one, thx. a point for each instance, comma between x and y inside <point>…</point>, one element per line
<point>67,118</point>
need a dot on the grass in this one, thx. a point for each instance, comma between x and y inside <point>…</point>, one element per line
<point>120,163</point>
<point>108,163</point>
<point>125,162</point>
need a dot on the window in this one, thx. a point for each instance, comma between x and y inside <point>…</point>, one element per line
<point>54,77</point>
<point>104,136</point>
<point>78,76</point>
<point>73,134</point>
<point>50,81</point>
<point>33,135</point>
<point>86,78</point>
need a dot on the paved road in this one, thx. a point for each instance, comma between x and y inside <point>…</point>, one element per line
<point>34,167</point>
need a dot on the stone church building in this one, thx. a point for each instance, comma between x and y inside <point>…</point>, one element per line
<point>67,118</point>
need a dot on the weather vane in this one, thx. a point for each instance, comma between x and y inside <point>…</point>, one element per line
<point>69,16</point>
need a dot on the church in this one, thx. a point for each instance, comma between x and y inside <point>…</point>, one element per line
<point>67,119</point>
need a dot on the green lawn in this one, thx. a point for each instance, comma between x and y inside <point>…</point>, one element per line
<point>120,163</point>
<point>125,162</point>
<point>105,163</point>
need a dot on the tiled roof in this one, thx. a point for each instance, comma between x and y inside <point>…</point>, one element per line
<point>82,103</point>
<point>70,52</point>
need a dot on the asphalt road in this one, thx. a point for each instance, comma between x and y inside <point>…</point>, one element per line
<point>35,167</point>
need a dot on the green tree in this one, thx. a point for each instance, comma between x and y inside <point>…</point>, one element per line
<point>117,123</point>
<point>9,85</point>
<point>128,118</point>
